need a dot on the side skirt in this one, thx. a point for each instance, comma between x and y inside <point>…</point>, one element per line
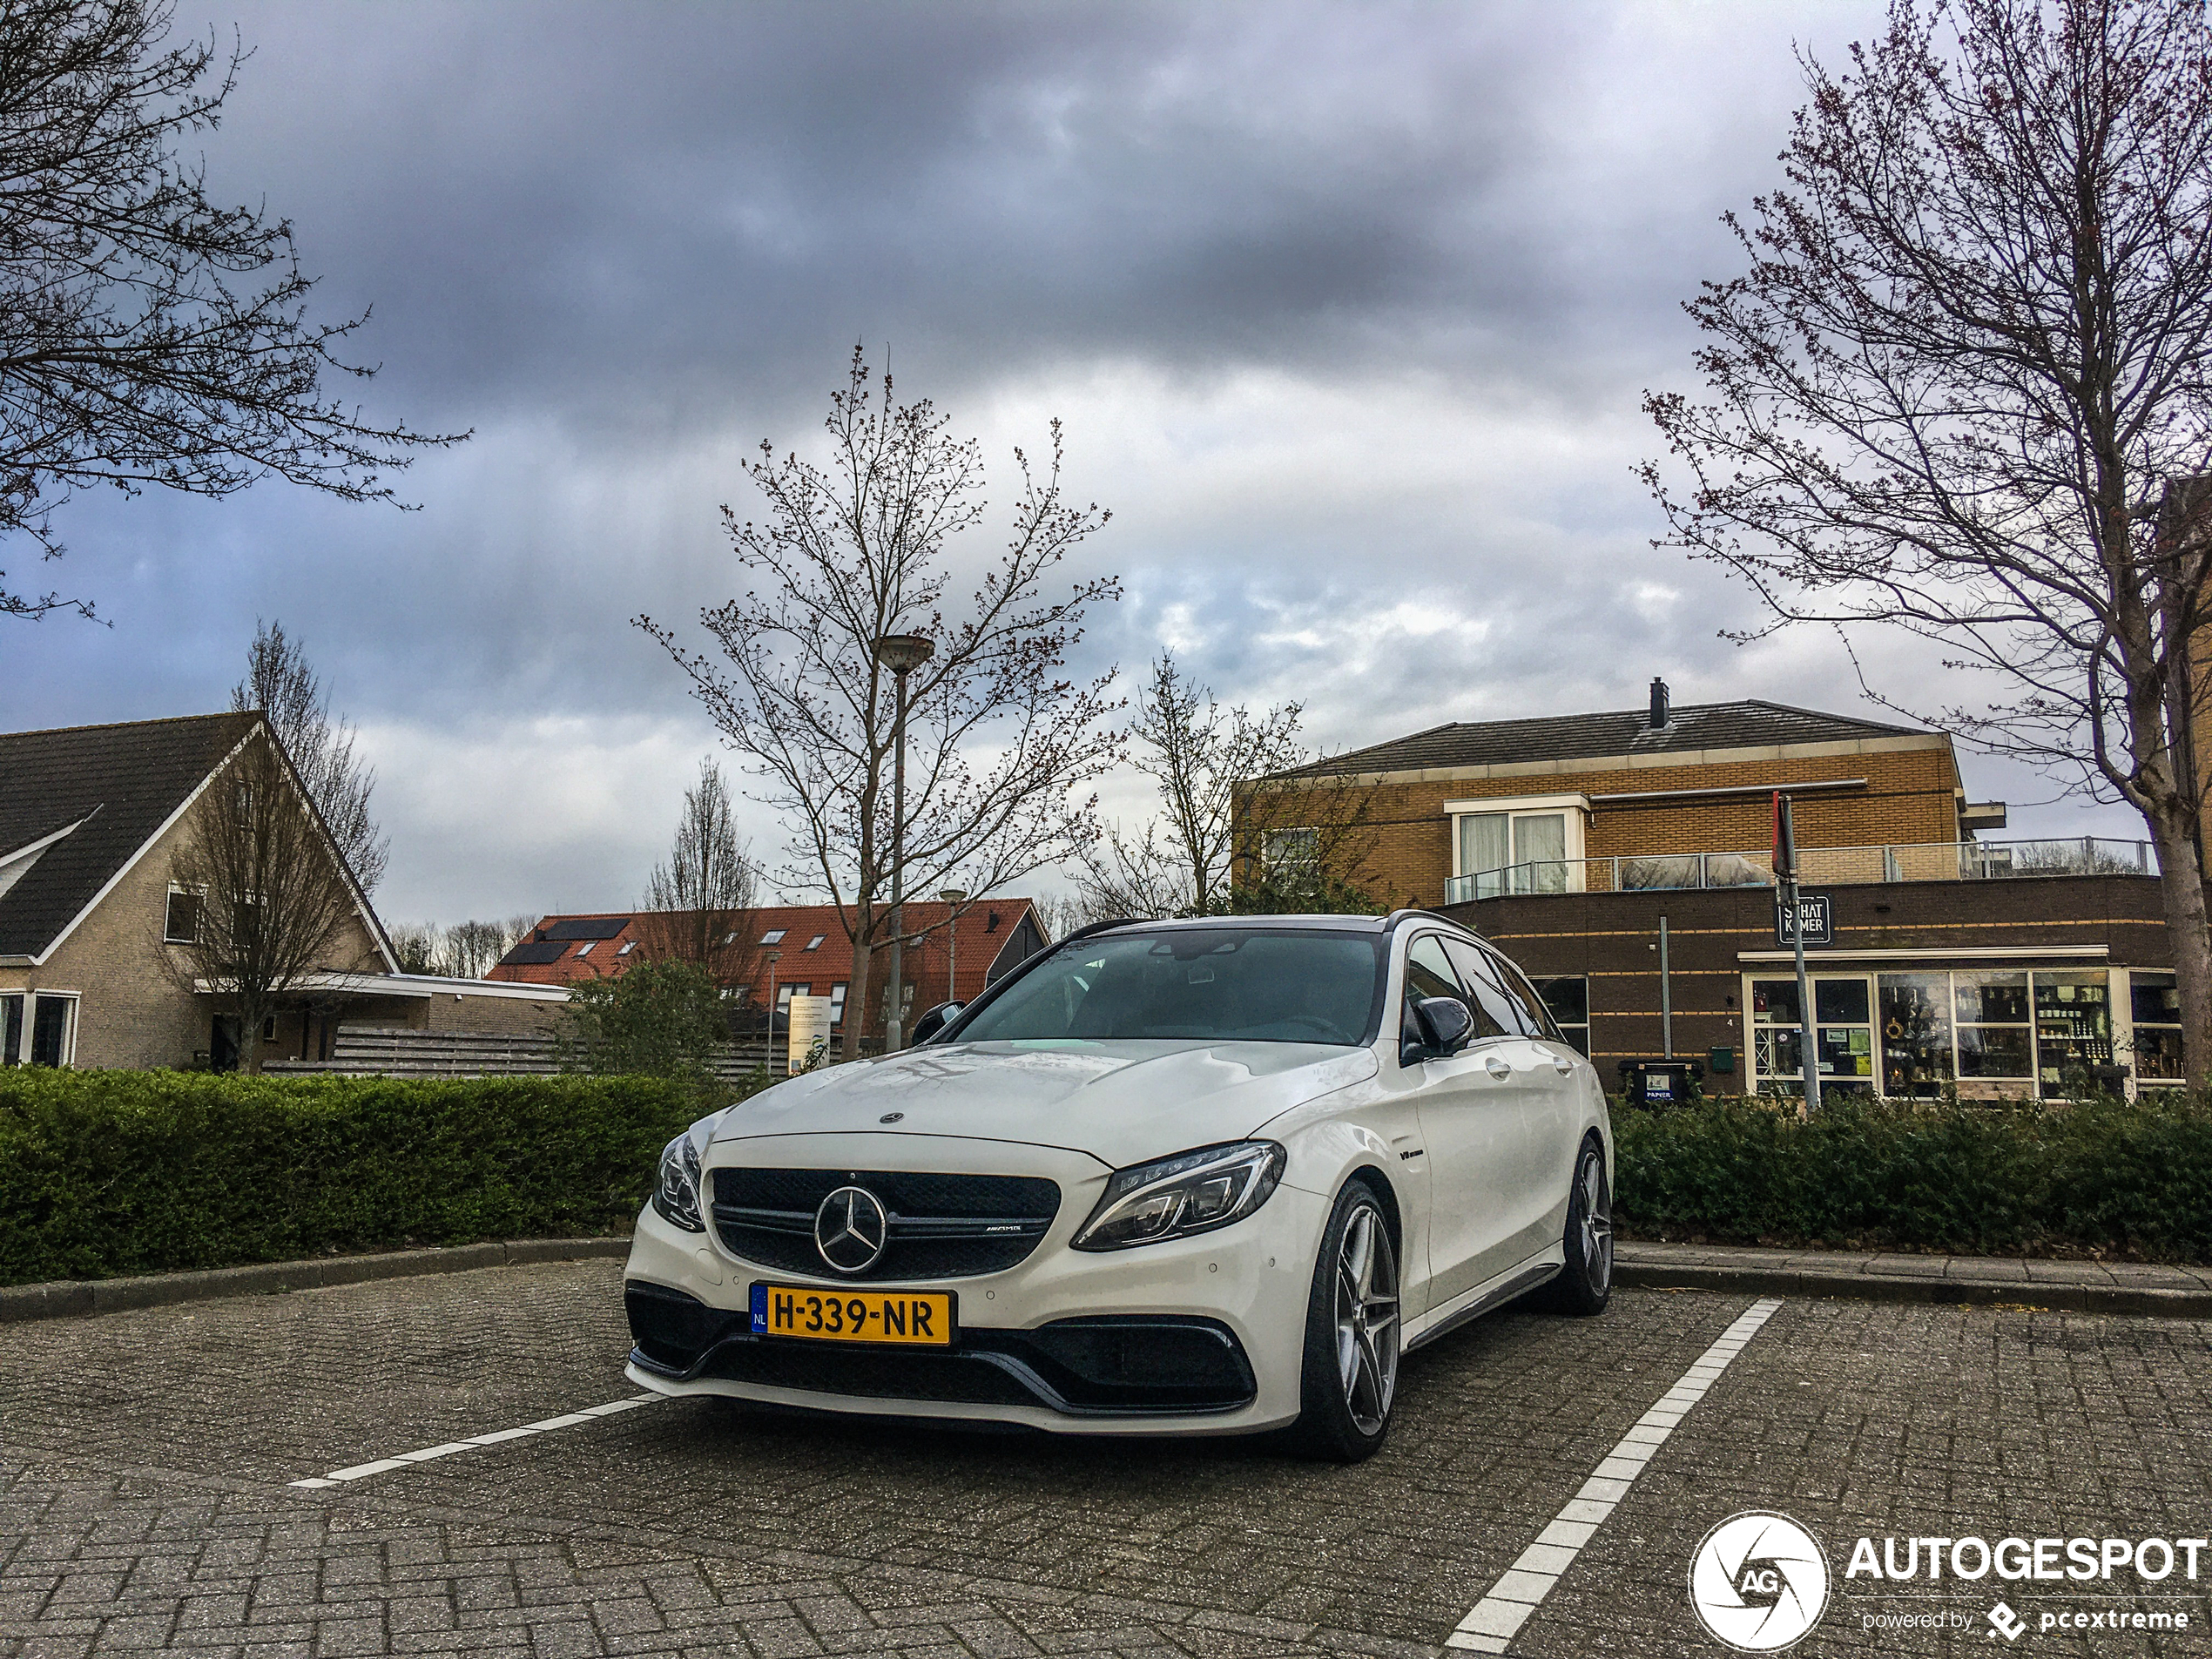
<point>1514,1282</point>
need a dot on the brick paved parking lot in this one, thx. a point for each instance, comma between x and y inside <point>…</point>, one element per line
<point>147,1460</point>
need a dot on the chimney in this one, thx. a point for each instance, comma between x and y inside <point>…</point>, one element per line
<point>1658,704</point>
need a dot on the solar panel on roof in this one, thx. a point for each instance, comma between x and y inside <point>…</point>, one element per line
<point>588,928</point>
<point>532,953</point>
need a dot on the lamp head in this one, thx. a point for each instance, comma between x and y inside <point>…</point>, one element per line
<point>953,895</point>
<point>902,652</point>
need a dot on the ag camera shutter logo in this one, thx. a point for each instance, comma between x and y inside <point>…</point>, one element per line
<point>1759,1582</point>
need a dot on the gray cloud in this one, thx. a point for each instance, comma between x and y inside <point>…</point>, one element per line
<point>1348,309</point>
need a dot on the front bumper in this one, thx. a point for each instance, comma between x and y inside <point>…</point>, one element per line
<point>1199,1335</point>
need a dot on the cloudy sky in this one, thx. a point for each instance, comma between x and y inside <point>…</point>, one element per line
<point>1347,310</point>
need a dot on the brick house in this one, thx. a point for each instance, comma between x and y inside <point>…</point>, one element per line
<point>89,820</point>
<point>812,955</point>
<point>1624,860</point>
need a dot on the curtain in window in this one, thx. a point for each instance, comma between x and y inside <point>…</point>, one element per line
<point>1540,851</point>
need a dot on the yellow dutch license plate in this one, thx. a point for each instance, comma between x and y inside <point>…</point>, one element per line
<point>924,1318</point>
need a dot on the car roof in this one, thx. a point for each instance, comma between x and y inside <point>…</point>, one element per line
<point>1336,923</point>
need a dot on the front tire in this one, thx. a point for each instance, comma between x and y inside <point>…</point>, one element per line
<point>1585,1285</point>
<point>1349,1380</point>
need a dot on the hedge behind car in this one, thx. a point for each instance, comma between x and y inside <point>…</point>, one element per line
<point>110,1172</point>
<point>1996,1179</point>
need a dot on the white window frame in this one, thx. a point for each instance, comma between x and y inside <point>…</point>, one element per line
<point>1574,808</point>
<point>176,889</point>
<point>31,997</point>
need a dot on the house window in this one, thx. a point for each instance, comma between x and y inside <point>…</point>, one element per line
<point>784,995</point>
<point>837,1003</point>
<point>628,945</point>
<point>53,1029</point>
<point>773,937</point>
<point>11,1029</point>
<point>1530,844</point>
<point>1567,998</point>
<point>584,949</point>
<point>815,943</point>
<point>2157,1008</point>
<point>1292,851</point>
<point>180,923</point>
<point>740,994</point>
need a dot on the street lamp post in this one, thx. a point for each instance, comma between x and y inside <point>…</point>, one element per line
<point>901,654</point>
<point>955,897</point>
<point>768,1060</point>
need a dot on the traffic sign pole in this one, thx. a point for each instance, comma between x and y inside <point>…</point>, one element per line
<point>1785,877</point>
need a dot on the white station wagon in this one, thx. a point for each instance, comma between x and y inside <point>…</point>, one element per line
<point>1168,1177</point>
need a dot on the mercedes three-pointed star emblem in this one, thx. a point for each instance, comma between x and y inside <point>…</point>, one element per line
<point>850,1230</point>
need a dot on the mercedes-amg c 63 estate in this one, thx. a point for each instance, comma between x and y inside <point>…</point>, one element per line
<point>1203,1176</point>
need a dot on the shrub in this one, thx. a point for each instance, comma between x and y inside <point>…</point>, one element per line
<point>660,1019</point>
<point>1992,1179</point>
<point>111,1172</point>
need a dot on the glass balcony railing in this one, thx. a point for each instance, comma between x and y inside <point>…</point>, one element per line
<point>1819,867</point>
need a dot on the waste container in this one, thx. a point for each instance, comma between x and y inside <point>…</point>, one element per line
<point>1661,1082</point>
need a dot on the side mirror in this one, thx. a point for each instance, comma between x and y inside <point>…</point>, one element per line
<point>927,1027</point>
<point>1446,1023</point>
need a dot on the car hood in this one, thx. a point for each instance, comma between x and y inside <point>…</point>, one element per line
<point>1122,1102</point>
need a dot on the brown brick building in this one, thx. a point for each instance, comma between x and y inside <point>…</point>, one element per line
<point>1463,810</point>
<point>1574,842</point>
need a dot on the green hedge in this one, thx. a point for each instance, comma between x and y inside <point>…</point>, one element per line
<point>110,1172</point>
<point>2133,1180</point>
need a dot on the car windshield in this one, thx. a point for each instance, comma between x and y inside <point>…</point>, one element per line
<point>1215,984</point>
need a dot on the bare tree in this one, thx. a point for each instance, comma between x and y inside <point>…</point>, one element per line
<point>137,345</point>
<point>281,685</point>
<point>699,904</point>
<point>473,948</point>
<point>1971,342</point>
<point>998,741</point>
<point>1250,820</point>
<point>275,908</point>
<point>418,945</point>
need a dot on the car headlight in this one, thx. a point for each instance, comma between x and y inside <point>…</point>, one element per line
<point>1192,1192</point>
<point>676,1194</point>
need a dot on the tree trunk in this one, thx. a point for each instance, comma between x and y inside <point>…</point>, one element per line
<point>2183,885</point>
<point>856,990</point>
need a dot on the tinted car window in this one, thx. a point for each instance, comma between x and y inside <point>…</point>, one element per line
<point>1429,972</point>
<point>1503,1011</point>
<point>1221,985</point>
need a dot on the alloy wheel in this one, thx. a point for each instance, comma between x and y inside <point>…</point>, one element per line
<point>1596,1219</point>
<point>1367,1319</point>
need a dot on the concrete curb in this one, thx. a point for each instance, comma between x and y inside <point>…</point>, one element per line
<point>1900,1287</point>
<point>66,1298</point>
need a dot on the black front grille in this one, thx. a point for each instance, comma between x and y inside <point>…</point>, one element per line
<point>942,1226</point>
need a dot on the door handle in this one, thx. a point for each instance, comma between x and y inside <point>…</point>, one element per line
<point>1564,1068</point>
<point>1496,1066</point>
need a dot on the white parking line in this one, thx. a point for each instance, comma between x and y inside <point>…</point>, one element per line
<point>1489,1627</point>
<point>498,1436</point>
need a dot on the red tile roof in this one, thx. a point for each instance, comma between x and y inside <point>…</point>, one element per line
<point>984,931</point>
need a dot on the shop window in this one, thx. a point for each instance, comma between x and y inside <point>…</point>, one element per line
<point>1776,1061</point>
<point>2157,1008</point>
<point>1567,998</point>
<point>1844,1034</point>
<point>1915,1012</point>
<point>2073,1031</point>
<point>1996,1042</point>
